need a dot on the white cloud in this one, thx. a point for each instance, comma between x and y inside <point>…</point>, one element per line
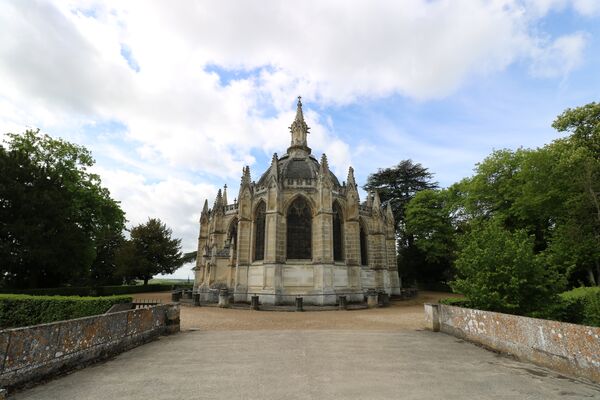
<point>62,67</point>
<point>560,57</point>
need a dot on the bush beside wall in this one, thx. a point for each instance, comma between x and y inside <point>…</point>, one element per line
<point>581,306</point>
<point>23,310</point>
<point>578,306</point>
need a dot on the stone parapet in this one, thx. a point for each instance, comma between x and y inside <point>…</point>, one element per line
<point>33,353</point>
<point>568,348</point>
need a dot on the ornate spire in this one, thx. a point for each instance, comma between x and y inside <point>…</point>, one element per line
<point>369,198</point>
<point>204,213</point>
<point>246,175</point>
<point>225,195</point>
<point>350,179</point>
<point>218,201</point>
<point>299,129</point>
<point>388,212</point>
<point>275,166</point>
<point>376,201</point>
<point>324,163</point>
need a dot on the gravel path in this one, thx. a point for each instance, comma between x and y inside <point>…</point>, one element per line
<point>400,316</point>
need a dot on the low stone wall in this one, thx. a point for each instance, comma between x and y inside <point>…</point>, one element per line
<point>567,348</point>
<point>33,353</point>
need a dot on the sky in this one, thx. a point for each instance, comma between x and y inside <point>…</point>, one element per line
<point>174,98</point>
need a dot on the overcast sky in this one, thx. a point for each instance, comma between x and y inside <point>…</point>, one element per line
<point>173,98</point>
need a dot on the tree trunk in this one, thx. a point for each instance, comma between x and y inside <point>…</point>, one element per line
<point>146,281</point>
<point>591,277</point>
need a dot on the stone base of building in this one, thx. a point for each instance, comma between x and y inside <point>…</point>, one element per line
<point>317,284</point>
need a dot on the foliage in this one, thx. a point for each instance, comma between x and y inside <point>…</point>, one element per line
<point>582,306</point>
<point>399,184</point>
<point>584,125</point>
<point>23,310</point>
<point>54,213</point>
<point>189,257</point>
<point>456,301</point>
<point>93,290</point>
<point>149,252</point>
<point>551,193</point>
<point>497,270</point>
<point>429,224</point>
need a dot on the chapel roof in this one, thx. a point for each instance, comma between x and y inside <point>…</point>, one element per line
<point>298,162</point>
<point>306,167</point>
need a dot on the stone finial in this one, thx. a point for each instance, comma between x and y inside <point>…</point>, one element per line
<point>369,198</point>
<point>324,163</point>
<point>225,195</point>
<point>246,175</point>
<point>218,201</point>
<point>389,215</point>
<point>350,179</point>
<point>205,208</point>
<point>376,201</point>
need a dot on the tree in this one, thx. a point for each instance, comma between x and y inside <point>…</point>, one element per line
<point>584,125</point>
<point>497,270</point>
<point>399,184</point>
<point>149,252</point>
<point>429,223</point>
<point>53,212</point>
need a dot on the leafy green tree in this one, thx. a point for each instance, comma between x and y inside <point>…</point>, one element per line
<point>584,125</point>
<point>53,212</point>
<point>399,184</point>
<point>429,223</point>
<point>497,270</point>
<point>584,206</point>
<point>149,252</point>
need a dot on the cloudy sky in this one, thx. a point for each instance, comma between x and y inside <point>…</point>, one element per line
<point>174,98</point>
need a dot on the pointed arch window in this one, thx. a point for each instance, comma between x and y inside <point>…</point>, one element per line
<point>259,231</point>
<point>364,259</point>
<point>299,230</point>
<point>338,229</point>
<point>232,237</point>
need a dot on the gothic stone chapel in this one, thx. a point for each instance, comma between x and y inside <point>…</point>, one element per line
<point>296,232</point>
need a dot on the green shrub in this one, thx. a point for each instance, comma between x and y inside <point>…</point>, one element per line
<point>498,270</point>
<point>581,306</point>
<point>23,310</point>
<point>455,301</point>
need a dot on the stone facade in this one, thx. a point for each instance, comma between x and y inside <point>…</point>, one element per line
<point>296,232</point>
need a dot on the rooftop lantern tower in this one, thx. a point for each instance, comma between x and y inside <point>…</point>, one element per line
<point>299,130</point>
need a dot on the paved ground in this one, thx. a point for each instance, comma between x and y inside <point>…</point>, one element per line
<point>401,316</point>
<point>367,354</point>
<point>311,365</point>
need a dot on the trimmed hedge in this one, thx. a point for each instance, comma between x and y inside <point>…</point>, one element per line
<point>91,291</point>
<point>581,306</point>
<point>23,310</point>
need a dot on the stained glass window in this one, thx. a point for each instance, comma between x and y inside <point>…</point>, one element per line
<point>259,233</point>
<point>299,230</point>
<point>364,260</point>
<point>338,251</point>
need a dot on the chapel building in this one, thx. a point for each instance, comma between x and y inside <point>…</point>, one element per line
<point>297,232</point>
